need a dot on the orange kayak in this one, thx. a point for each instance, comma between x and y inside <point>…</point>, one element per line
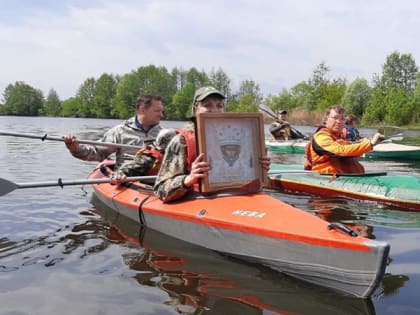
<point>258,228</point>
<point>208,280</point>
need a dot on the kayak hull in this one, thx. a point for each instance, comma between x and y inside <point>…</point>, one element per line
<point>286,146</point>
<point>260,229</point>
<point>222,279</point>
<point>401,191</point>
<point>394,151</point>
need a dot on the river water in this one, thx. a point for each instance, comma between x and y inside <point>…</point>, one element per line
<point>62,254</point>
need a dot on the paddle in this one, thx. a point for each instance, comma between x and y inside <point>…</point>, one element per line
<point>7,186</point>
<point>367,174</point>
<point>389,138</point>
<point>280,172</point>
<point>45,137</point>
<point>268,112</point>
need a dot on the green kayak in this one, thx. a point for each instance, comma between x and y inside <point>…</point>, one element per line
<point>389,150</point>
<point>399,190</point>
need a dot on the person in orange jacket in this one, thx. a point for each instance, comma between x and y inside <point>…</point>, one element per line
<point>329,153</point>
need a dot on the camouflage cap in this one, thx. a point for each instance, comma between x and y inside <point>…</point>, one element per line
<point>205,91</point>
<point>163,138</point>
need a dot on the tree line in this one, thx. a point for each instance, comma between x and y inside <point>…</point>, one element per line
<point>392,97</point>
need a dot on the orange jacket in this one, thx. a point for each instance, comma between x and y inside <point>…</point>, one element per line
<point>329,154</point>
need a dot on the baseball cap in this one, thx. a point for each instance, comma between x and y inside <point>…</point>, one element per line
<point>282,112</point>
<point>205,91</point>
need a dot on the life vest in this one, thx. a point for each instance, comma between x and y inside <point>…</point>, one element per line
<point>189,136</point>
<point>190,141</point>
<point>158,158</point>
<point>318,159</point>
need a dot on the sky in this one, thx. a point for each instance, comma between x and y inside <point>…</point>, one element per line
<point>51,44</point>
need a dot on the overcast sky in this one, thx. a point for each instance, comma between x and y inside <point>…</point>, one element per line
<point>277,43</point>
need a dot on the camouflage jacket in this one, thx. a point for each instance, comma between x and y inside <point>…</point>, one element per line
<point>169,184</point>
<point>125,133</point>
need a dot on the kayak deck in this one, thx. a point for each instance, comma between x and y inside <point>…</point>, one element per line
<point>397,190</point>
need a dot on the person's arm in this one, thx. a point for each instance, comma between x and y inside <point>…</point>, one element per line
<point>91,152</point>
<point>169,184</point>
<point>276,126</point>
<point>137,167</point>
<point>334,148</point>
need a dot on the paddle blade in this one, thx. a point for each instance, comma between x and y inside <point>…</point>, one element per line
<point>7,186</point>
<point>267,111</point>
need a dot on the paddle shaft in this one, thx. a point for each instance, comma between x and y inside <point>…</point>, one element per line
<point>45,137</point>
<point>62,183</point>
<point>7,186</point>
<point>280,172</point>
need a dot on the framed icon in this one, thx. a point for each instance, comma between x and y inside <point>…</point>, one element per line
<point>233,144</point>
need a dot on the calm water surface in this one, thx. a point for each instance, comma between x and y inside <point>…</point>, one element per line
<point>63,253</point>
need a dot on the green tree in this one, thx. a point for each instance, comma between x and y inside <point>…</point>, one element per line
<point>376,108</point>
<point>198,78</point>
<point>357,97</point>
<point>285,100</point>
<point>220,80</point>
<point>85,95</point>
<point>22,99</point>
<point>302,94</point>
<point>416,102</point>
<point>318,83</point>
<point>399,109</point>
<point>146,80</point>
<point>249,97</point>
<point>182,102</point>
<point>180,77</point>
<point>323,92</point>
<point>52,105</point>
<point>70,107</point>
<point>331,93</point>
<point>400,71</point>
<point>393,93</point>
<point>180,107</point>
<point>105,89</point>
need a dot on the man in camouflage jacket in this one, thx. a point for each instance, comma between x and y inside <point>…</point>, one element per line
<point>134,131</point>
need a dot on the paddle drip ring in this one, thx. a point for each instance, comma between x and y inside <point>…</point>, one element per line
<point>43,139</point>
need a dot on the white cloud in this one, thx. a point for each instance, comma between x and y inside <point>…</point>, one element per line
<point>275,43</point>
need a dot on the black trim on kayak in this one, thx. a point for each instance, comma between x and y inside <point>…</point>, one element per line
<point>142,219</point>
<point>357,175</point>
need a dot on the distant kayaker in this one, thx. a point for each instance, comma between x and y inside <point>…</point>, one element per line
<point>350,131</point>
<point>134,131</point>
<point>282,130</point>
<point>181,167</point>
<point>329,153</point>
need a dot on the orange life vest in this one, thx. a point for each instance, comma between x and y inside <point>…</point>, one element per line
<point>318,159</point>
<point>156,154</point>
<point>190,140</point>
<point>189,136</point>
